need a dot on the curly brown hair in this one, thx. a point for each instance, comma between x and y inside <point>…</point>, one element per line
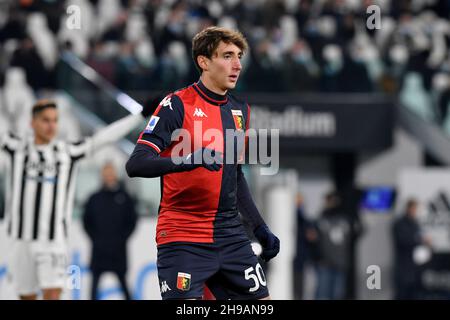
<point>205,42</point>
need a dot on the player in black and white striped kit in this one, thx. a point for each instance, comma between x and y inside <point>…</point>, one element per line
<point>39,195</point>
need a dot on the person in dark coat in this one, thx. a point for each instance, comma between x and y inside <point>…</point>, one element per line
<point>333,245</point>
<point>306,240</point>
<point>109,220</point>
<point>407,236</point>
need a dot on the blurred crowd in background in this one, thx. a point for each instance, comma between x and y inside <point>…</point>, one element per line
<point>308,46</point>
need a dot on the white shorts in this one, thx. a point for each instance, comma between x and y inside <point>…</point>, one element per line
<point>38,265</point>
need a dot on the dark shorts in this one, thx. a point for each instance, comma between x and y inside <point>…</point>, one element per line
<point>231,270</point>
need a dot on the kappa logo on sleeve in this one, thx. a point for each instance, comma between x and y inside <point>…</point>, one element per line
<point>151,124</point>
<point>166,102</point>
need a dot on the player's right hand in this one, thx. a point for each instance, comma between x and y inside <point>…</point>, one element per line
<point>204,157</point>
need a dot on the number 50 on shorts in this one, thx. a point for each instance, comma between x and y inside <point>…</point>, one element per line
<point>257,276</point>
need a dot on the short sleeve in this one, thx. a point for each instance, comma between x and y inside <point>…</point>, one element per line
<point>167,117</point>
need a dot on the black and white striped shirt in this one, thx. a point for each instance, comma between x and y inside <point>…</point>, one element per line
<point>41,181</point>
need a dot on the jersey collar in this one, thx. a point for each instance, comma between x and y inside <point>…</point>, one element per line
<point>40,147</point>
<point>208,95</point>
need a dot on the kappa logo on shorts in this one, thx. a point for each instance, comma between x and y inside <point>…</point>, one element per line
<point>184,281</point>
<point>165,287</point>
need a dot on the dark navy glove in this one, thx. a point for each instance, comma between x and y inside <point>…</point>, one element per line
<point>203,157</point>
<point>269,242</point>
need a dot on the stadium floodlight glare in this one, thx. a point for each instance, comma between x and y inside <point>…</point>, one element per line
<point>128,103</point>
<point>91,75</point>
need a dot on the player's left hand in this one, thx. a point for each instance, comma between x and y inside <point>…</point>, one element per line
<point>269,242</point>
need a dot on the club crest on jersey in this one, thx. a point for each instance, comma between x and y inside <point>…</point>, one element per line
<point>184,281</point>
<point>151,124</point>
<point>238,119</point>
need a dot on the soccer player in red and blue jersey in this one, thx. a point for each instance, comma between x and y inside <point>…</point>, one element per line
<point>200,237</point>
